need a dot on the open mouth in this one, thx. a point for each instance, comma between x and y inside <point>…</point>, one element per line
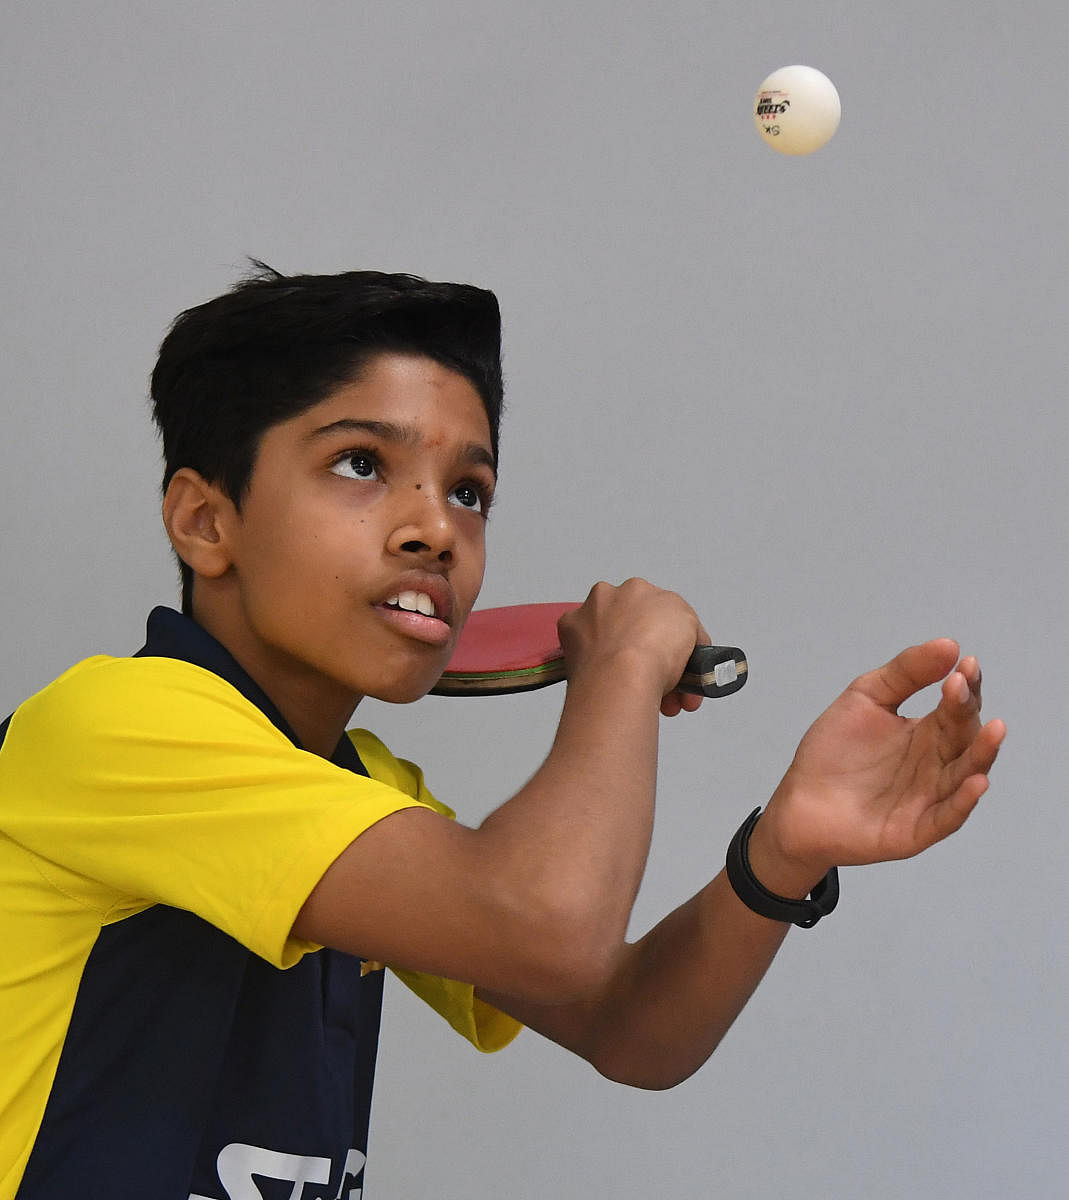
<point>418,602</point>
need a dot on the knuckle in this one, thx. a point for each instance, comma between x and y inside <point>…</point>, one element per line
<point>635,586</point>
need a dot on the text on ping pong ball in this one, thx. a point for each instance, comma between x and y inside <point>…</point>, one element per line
<point>797,110</point>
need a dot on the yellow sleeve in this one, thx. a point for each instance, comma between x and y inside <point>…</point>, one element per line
<point>132,782</point>
<point>484,1026</point>
<point>487,1028</point>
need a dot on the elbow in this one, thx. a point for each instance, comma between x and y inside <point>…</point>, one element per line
<point>647,1066</point>
<point>572,950</point>
<point>556,930</point>
<point>645,1077</point>
<point>585,958</point>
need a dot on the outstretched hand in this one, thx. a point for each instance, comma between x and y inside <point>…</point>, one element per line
<point>868,785</point>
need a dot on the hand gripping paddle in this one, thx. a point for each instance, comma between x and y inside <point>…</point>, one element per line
<point>516,649</point>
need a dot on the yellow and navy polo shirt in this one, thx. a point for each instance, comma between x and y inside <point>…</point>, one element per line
<point>161,1032</point>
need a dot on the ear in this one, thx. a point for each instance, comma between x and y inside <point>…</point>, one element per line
<point>196,514</point>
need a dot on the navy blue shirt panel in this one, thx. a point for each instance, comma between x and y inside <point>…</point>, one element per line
<point>183,1042</point>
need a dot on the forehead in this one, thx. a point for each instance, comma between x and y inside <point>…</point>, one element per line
<point>405,390</point>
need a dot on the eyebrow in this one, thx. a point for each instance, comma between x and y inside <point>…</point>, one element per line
<point>405,435</point>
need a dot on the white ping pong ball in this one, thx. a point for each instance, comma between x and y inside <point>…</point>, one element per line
<point>797,110</point>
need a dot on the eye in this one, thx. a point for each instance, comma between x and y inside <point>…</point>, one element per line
<point>356,464</point>
<point>471,495</point>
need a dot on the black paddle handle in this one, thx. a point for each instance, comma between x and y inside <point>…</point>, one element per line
<point>710,671</point>
<point>714,671</point>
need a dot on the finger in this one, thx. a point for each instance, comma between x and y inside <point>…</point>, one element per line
<point>970,668</point>
<point>967,781</point>
<point>958,709</point>
<point>963,783</point>
<point>673,703</point>
<point>907,673</point>
<point>988,743</point>
<point>676,702</point>
<point>965,684</point>
<point>958,713</point>
<point>976,759</point>
<point>948,816</point>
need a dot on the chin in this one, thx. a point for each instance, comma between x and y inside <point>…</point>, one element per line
<point>406,691</point>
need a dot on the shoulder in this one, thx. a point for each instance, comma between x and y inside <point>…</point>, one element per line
<point>134,715</point>
<point>103,694</point>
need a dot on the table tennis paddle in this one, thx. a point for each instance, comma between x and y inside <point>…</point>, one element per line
<point>516,649</point>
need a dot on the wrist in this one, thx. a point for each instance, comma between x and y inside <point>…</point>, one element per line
<point>774,906</point>
<point>624,669</point>
<point>778,869</point>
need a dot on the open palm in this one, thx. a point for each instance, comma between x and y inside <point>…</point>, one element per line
<point>868,785</point>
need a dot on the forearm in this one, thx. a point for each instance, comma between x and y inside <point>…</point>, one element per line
<point>578,833</point>
<point>680,988</point>
<point>866,785</point>
<point>536,901</point>
<point>673,995</point>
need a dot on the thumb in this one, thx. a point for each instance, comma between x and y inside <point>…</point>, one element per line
<point>908,672</point>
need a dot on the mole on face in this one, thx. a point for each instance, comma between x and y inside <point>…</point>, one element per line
<point>418,486</point>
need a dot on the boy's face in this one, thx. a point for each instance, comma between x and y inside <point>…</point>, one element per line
<point>359,548</point>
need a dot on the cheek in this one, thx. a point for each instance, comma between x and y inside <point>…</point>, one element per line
<point>474,563</point>
<point>292,532</point>
<point>282,567</point>
<point>470,530</point>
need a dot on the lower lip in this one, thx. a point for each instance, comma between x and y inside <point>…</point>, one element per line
<point>415,625</point>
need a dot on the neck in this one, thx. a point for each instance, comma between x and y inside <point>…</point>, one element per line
<point>315,708</point>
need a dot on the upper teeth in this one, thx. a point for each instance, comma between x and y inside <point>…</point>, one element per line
<point>414,602</point>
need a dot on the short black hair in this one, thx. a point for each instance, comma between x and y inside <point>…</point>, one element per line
<point>275,345</point>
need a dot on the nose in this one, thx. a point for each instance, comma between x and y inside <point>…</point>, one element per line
<point>425,527</point>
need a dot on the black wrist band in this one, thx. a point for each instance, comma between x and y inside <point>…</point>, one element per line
<point>806,913</point>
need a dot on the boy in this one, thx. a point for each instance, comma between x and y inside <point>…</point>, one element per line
<point>202,873</point>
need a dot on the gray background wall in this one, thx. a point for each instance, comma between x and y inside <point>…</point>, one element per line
<point>821,397</point>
